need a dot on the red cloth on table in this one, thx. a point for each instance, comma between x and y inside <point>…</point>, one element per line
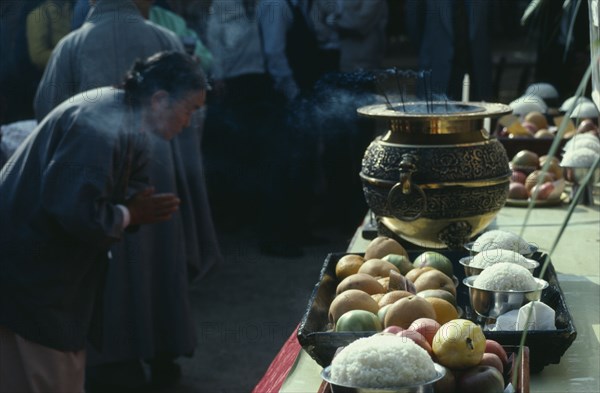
<point>279,368</point>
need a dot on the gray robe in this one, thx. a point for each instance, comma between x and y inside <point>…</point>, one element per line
<point>58,197</point>
<point>146,300</point>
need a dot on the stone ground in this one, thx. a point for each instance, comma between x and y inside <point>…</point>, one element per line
<point>247,308</point>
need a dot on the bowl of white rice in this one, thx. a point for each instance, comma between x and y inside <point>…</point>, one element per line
<point>382,363</point>
<point>501,239</point>
<point>503,287</point>
<point>474,264</point>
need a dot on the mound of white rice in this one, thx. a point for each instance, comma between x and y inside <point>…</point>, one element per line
<point>579,158</point>
<point>382,361</point>
<point>505,276</point>
<point>488,258</point>
<point>581,141</point>
<point>499,239</point>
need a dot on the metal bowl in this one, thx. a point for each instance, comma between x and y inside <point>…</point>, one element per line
<point>576,175</point>
<point>492,304</point>
<point>473,271</point>
<point>426,387</point>
<point>526,253</point>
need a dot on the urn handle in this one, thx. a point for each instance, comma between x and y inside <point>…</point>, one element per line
<point>406,200</point>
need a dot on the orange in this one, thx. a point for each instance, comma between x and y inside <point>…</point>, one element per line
<point>348,265</point>
<point>444,310</point>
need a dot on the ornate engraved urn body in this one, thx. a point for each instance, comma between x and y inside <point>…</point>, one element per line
<point>435,178</point>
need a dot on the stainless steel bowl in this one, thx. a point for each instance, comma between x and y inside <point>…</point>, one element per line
<point>576,175</point>
<point>426,387</point>
<point>473,271</point>
<point>492,304</point>
<point>526,253</point>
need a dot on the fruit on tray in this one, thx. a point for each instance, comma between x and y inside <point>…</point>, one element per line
<point>402,262</point>
<point>382,246</point>
<point>444,310</point>
<point>362,281</point>
<point>528,180</point>
<point>352,299</point>
<point>435,279</point>
<point>348,265</point>
<point>436,260</point>
<point>388,290</point>
<point>377,268</point>
<point>358,321</point>
<point>459,344</point>
<point>404,311</point>
<point>480,379</point>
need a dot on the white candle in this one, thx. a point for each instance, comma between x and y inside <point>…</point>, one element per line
<point>466,88</point>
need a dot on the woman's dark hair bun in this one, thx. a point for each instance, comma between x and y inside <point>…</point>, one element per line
<point>175,72</point>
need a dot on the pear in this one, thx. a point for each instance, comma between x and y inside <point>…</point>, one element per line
<point>382,246</point>
<point>435,279</point>
<point>442,294</point>
<point>361,281</point>
<point>405,310</point>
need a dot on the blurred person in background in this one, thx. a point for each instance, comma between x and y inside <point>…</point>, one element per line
<point>248,144</point>
<point>69,192</point>
<point>452,39</point>
<point>290,45</point>
<point>19,77</point>
<point>361,27</point>
<point>46,25</point>
<point>162,16</point>
<point>158,263</point>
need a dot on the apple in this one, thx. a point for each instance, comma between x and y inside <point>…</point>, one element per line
<point>495,347</point>
<point>529,126</point>
<point>447,384</point>
<point>517,191</point>
<point>428,327</point>
<point>358,321</point>
<point>518,177</point>
<point>480,379</point>
<point>543,190</point>
<point>393,329</point>
<point>491,359</point>
<point>418,338</point>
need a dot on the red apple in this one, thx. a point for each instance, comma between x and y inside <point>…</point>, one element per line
<point>518,177</point>
<point>543,190</point>
<point>492,346</point>
<point>480,379</point>
<point>447,384</point>
<point>393,329</point>
<point>428,327</point>
<point>418,338</point>
<point>491,359</point>
<point>517,191</point>
<point>529,126</point>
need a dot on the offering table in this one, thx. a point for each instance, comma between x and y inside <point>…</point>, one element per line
<point>576,259</point>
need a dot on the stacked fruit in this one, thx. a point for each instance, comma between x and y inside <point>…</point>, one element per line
<point>527,173</point>
<point>384,288</point>
<point>385,292</point>
<point>473,363</point>
<point>533,125</point>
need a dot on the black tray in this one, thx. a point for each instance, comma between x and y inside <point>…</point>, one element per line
<point>546,347</point>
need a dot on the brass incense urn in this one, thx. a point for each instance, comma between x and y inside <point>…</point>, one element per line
<point>435,177</point>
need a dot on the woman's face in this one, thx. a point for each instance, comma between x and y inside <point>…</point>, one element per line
<point>169,116</point>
